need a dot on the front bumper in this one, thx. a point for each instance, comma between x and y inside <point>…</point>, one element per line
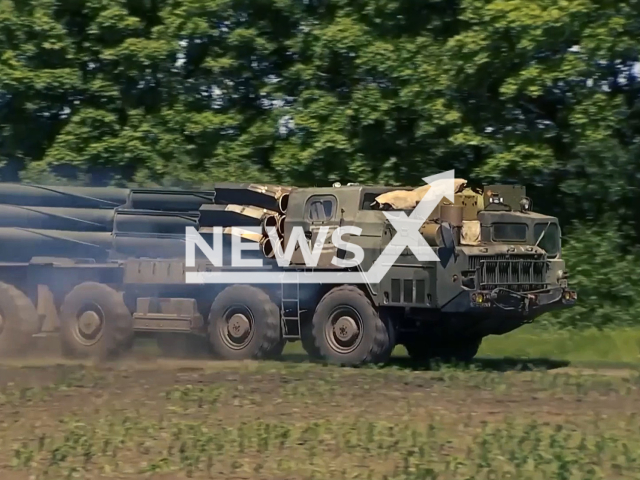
<point>504,302</point>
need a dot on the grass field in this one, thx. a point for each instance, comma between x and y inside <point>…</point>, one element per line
<point>590,346</point>
<point>584,347</point>
<point>144,417</point>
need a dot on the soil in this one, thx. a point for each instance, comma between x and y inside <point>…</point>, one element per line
<point>54,399</point>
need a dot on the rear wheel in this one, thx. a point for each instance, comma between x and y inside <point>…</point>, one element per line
<point>308,342</point>
<point>18,321</point>
<point>244,323</point>
<point>276,352</point>
<point>95,322</point>
<point>347,329</point>
<point>462,350</point>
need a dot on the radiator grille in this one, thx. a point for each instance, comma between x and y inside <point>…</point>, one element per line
<point>516,272</point>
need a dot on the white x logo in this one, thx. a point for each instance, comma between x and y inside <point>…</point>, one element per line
<point>408,227</point>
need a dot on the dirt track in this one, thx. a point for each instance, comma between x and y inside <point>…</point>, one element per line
<point>152,418</point>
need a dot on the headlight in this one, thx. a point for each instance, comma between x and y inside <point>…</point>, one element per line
<point>525,204</point>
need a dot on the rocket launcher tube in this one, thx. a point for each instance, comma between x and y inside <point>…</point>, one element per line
<point>144,245</point>
<point>281,221</point>
<point>22,244</point>
<point>270,197</point>
<point>54,218</point>
<point>235,216</point>
<point>267,248</point>
<point>62,197</point>
<point>245,234</point>
<point>283,203</point>
<point>272,221</point>
<point>170,200</point>
<point>154,222</point>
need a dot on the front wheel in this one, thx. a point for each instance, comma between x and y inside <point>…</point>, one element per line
<point>347,329</point>
<point>461,351</point>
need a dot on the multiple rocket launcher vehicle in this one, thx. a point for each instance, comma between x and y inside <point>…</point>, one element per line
<point>98,265</point>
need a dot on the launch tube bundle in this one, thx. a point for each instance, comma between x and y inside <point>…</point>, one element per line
<point>99,223</point>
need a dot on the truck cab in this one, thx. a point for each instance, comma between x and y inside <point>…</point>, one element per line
<point>500,263</point>
<point>515,263</point>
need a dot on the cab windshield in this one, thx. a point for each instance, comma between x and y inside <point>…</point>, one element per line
<point>550,242</point>
<point>510,232</point>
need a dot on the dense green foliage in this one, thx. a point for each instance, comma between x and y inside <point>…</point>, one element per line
<point>540,92</point>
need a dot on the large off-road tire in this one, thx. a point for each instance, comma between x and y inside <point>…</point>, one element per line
<point>183,345</point>
<point>418,350</point>
<point>347,329</point>
<point>308,342</point>
<point>460,351</point>
<point>276,352</point>
<point>463,351</point>
<point>244,323</point>
<point>18,321</point>
<point>390,326</point>
<point>95,322</point>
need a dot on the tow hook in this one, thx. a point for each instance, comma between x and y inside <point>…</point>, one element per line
<point>518,301</point>
<point>530,301</point>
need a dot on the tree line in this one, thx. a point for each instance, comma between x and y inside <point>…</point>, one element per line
<point>308,92</point>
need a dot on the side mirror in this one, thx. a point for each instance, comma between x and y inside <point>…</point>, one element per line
<point>447,239</point>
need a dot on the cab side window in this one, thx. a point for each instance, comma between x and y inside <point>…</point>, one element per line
<point>320,208</point>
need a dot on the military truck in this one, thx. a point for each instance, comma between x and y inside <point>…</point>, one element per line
<point>98,267</point>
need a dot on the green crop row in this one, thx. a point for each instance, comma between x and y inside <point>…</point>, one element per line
<point>333,449</point>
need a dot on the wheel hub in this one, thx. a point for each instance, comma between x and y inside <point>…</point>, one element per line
<point>239,326</point>
<point>89,324</point>
<point>346,329</point>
